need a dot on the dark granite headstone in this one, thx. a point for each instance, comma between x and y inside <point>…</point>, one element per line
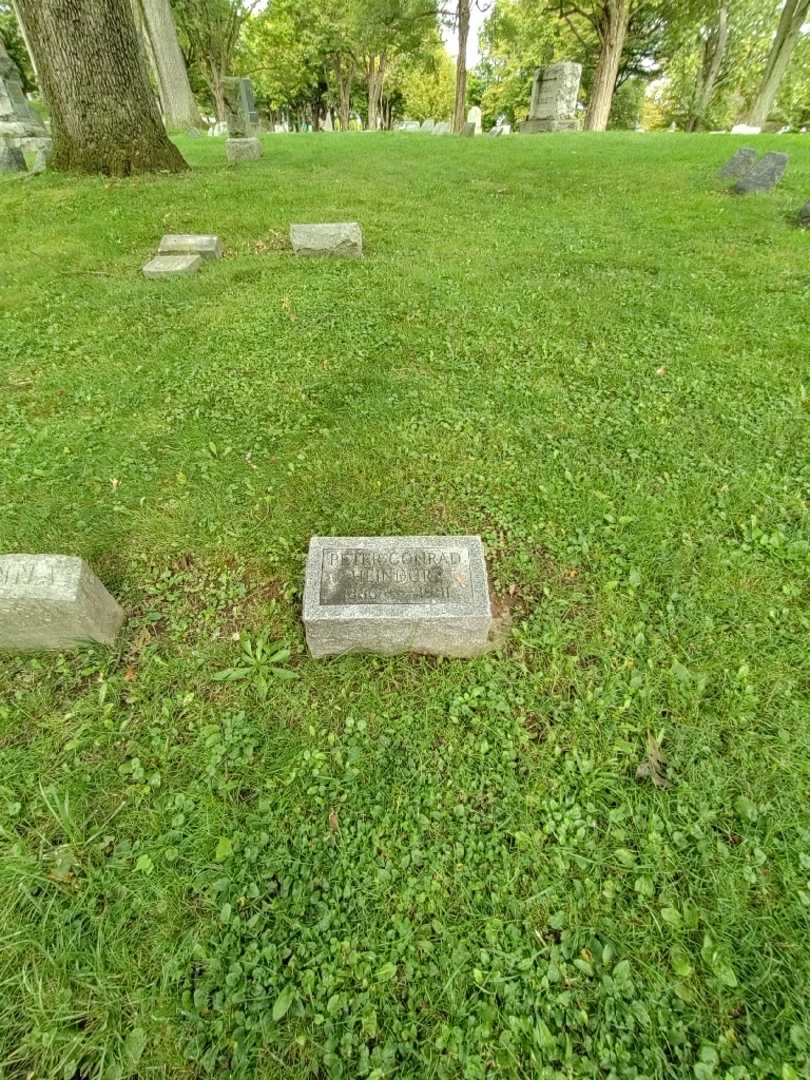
<point>765,175</point>
<point>740,164</point>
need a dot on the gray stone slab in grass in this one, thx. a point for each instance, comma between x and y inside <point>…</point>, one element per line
<point>11,158</point>
<point>395,594</point>
<point>740,163</point>
<point>53,602</point>
<point>804,215</point>
<point>172,265</point>
<point>207,247</point>
<point>338,238</point>
<point>243,150</point>
<point>765,174</point>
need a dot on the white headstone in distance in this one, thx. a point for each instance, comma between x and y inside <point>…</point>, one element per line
<point>474,117</point>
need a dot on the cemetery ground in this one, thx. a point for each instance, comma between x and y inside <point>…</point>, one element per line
<point>219,856</point>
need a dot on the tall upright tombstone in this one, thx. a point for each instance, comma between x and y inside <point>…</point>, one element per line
<point>554,99</point>
<point>20,125</point>
<point>474,117</point>
<point>242,118</point>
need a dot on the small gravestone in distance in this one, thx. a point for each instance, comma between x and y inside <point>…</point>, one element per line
<point>340,238</point>
<point>804,216</point>
<point>206,246</point>
<point>554,99</point>
<point>764,176</point>
<point>237,150</point>
<point>11,158</point>
<point>394,594</point>
<point>53,602</point>
<point>172,265</point>
<point>240,107</point>
<point>474,117</point>
<point>428,125</point>
<point>740,163</point>
<point>468,130</point>
<point>442,128</point>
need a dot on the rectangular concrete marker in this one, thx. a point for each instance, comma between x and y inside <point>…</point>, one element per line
<point>53,602</point>
<point>394,594</point>
<point>207,247</point>
<point>248,149</point>
<point>172,265</point>
<point>764,175</point>
<point>340,238</point>
<point>740,163</point>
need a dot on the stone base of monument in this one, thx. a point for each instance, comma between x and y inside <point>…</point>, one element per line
<point>537,127</point>
<point>53,602</point>
<point>172,265</point>
<point>206,246</point>
<point>11,159</point>
<point>243,150</point>
<point>339,238</point>
<point>389,595</point>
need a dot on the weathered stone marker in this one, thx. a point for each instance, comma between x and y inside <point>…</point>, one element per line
<point>341,238</point>
<point>11,158</point>
<point>172,265</point>
<point>740,163</point>
<point>442,128</point>
<point>804,216</point>
<point>469,129</point>
<point>53,602</point>
<point>207,247</point>
<point>764,175</point>
<point>474,117</point>
<point>394,594</point>
<point>19,123</point>
<point>554,99</point>
<point>428,125</point>
<point>243,150</point>
<point>240,107</point>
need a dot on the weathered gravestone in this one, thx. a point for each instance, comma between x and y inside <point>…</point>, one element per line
<point>554,99</point>
<point>442,128</point>
<point>428,125</point>
<point>740,163</point>
<point>53,602</point>
<point>409,125</point>
<point>11,158</point>
<point>764,175</point>
<point>172,265</point>
<point>206,246</point>
<point>240,107</point>
<point>804,215</point>
<point>468,130</point>
<point>340,238</point>
<point>424,594</point>
<point>237,150</point>
<point>474,117</point>
<point>19,123</point>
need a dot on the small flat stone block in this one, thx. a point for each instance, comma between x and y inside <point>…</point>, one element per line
<point>804,216</point>
<point>207,247</point>
<point>740,163</point>
<point>243,150</point>
<point>395,594</point>
<point>342,238</point>
<point>764,175</point>
<point>53,602</point>
<point>171,265</point>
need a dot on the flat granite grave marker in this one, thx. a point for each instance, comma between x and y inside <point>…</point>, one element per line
<point>339,238</point>
<point>740,164</point>
<point>206,246</point>
<point>765,174</point>
<point>248,149</point>
<point>172,265</point>
<point>394,594</point>
<point>54,602</point>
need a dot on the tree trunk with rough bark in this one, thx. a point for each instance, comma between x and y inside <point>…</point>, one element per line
<point>176,99</point>
<point>612,29</point>
<point>714,51</point>
<point>463,22</point>
<point>344,77</point>
<point>375,72</point>
<point>794,14</point>
<point>104,118</point>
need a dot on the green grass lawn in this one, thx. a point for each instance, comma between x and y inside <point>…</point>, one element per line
<point>582,348</point>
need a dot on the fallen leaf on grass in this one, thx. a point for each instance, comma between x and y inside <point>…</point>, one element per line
<point>654,765</point>
<point>333,821</point>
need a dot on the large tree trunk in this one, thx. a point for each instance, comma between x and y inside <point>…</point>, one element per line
<point>216,82</point>
<point>793,16</point>
<point>176,99</point>
<point>612,27</point>
<point>104,118</point>
<point>344,76</point>
<point>714,51</point>
<point>463,21</point>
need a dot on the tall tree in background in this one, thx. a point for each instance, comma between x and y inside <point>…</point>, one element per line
<point>714,43</point>
<point>794,14</point>
<point>92,70</point>
<point>213,28</point>
<point>176,99</point>
<point>463,30</point>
